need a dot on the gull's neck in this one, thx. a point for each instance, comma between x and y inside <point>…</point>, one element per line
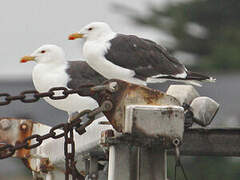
<point>52,65</point>
<point>105,36</point>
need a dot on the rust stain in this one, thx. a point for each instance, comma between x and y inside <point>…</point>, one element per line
<point>150,96</point>
<point>26,162</point>
<point>25,130</point>
<point>116,98</point>
<point>128,94</point>
<point>169,112</point>
<point>45,165</point>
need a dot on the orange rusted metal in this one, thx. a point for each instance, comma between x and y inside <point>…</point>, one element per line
<point>13,131</point>
<point>45,165</point>
<point>128,94</point>
<point>25,130</point>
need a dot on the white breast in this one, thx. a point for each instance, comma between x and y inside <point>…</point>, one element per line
<point>46,77</point>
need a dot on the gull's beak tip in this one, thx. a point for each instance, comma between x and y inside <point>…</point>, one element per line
<point>75,36</point>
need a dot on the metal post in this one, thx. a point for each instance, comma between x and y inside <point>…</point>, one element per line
<point>93,169</point>
<point>153,165</point>
<point>122,163</point>
<point>136,163</point>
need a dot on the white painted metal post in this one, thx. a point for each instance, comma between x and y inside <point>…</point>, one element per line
<point>125,163</point>
<point>153,165</point>
<point>120,163</point>
<point>131,162</point>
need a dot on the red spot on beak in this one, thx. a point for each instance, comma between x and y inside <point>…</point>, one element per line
<point>71,38</point>
<point>26,59</point>
<point>23,61</point>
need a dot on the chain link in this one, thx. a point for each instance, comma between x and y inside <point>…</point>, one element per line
<point>7,101</point>
<point>36,140</point>
<point>55,93</point>
<point>33,141</point>
<point>32,96</point>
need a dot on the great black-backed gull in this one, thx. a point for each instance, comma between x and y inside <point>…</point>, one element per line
<point>52,70</point>
<point>130,58</point>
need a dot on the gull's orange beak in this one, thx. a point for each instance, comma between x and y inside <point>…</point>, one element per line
<point>75,36</point>
<point>27,58</point>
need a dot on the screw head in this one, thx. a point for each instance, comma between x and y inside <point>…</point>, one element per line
<point>113,86</point>
<point>5,124</point>
<point>24,127</point>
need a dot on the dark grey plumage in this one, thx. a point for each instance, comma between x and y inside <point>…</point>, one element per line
<point>82,74</point>
<point>147,59</point>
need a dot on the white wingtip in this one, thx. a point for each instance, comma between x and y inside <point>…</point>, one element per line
<point>211,79</point>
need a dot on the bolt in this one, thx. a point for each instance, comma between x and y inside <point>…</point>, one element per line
<point>113,86</point>
<point>5,124</point>
<point>176,142</point>
<point>24,127</point>
<point>107,105</point>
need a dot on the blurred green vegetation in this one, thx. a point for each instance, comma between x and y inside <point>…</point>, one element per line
<point>209,29</point>
<point>206,168</point>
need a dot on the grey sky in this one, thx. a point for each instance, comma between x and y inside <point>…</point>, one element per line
<point>26,25</point>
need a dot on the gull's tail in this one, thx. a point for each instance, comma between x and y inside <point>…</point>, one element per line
<point>197,78</point>
<point>191,78</point>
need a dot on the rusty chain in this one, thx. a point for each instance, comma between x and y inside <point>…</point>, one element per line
<point>52,93</point>
<point>8,150</point>
<point>33,95</point>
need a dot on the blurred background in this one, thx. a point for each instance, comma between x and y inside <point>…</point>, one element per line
<point>202,34</point>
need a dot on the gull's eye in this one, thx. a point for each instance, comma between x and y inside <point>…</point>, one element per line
<point>43,51</point>
<point>90,29</point>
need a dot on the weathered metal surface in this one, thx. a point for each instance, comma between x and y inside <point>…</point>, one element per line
<point>13,131</point>
<point>128,94</point>
<point>211,142</point>
<point>88,142</point>
<point>196,142</point>
<point>47,160</point>
<point>49,157</point>
<point>93,168</point>
<point>204,110</point>
<point>155,121</point>
<point>184,93</point>
<point>128,163</point>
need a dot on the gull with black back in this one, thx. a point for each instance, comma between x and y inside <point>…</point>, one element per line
<point>132,59</point>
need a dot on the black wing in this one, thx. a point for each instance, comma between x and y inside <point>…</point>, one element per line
<point>82,74</point>
<point>145,57</point>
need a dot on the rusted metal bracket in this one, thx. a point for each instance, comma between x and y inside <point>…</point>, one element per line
<point>147,118</point>
<point>48,159</point>
<point>122,94</point>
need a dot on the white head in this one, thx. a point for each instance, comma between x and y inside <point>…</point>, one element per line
<point>46,54</point>
<point>93,31</point>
